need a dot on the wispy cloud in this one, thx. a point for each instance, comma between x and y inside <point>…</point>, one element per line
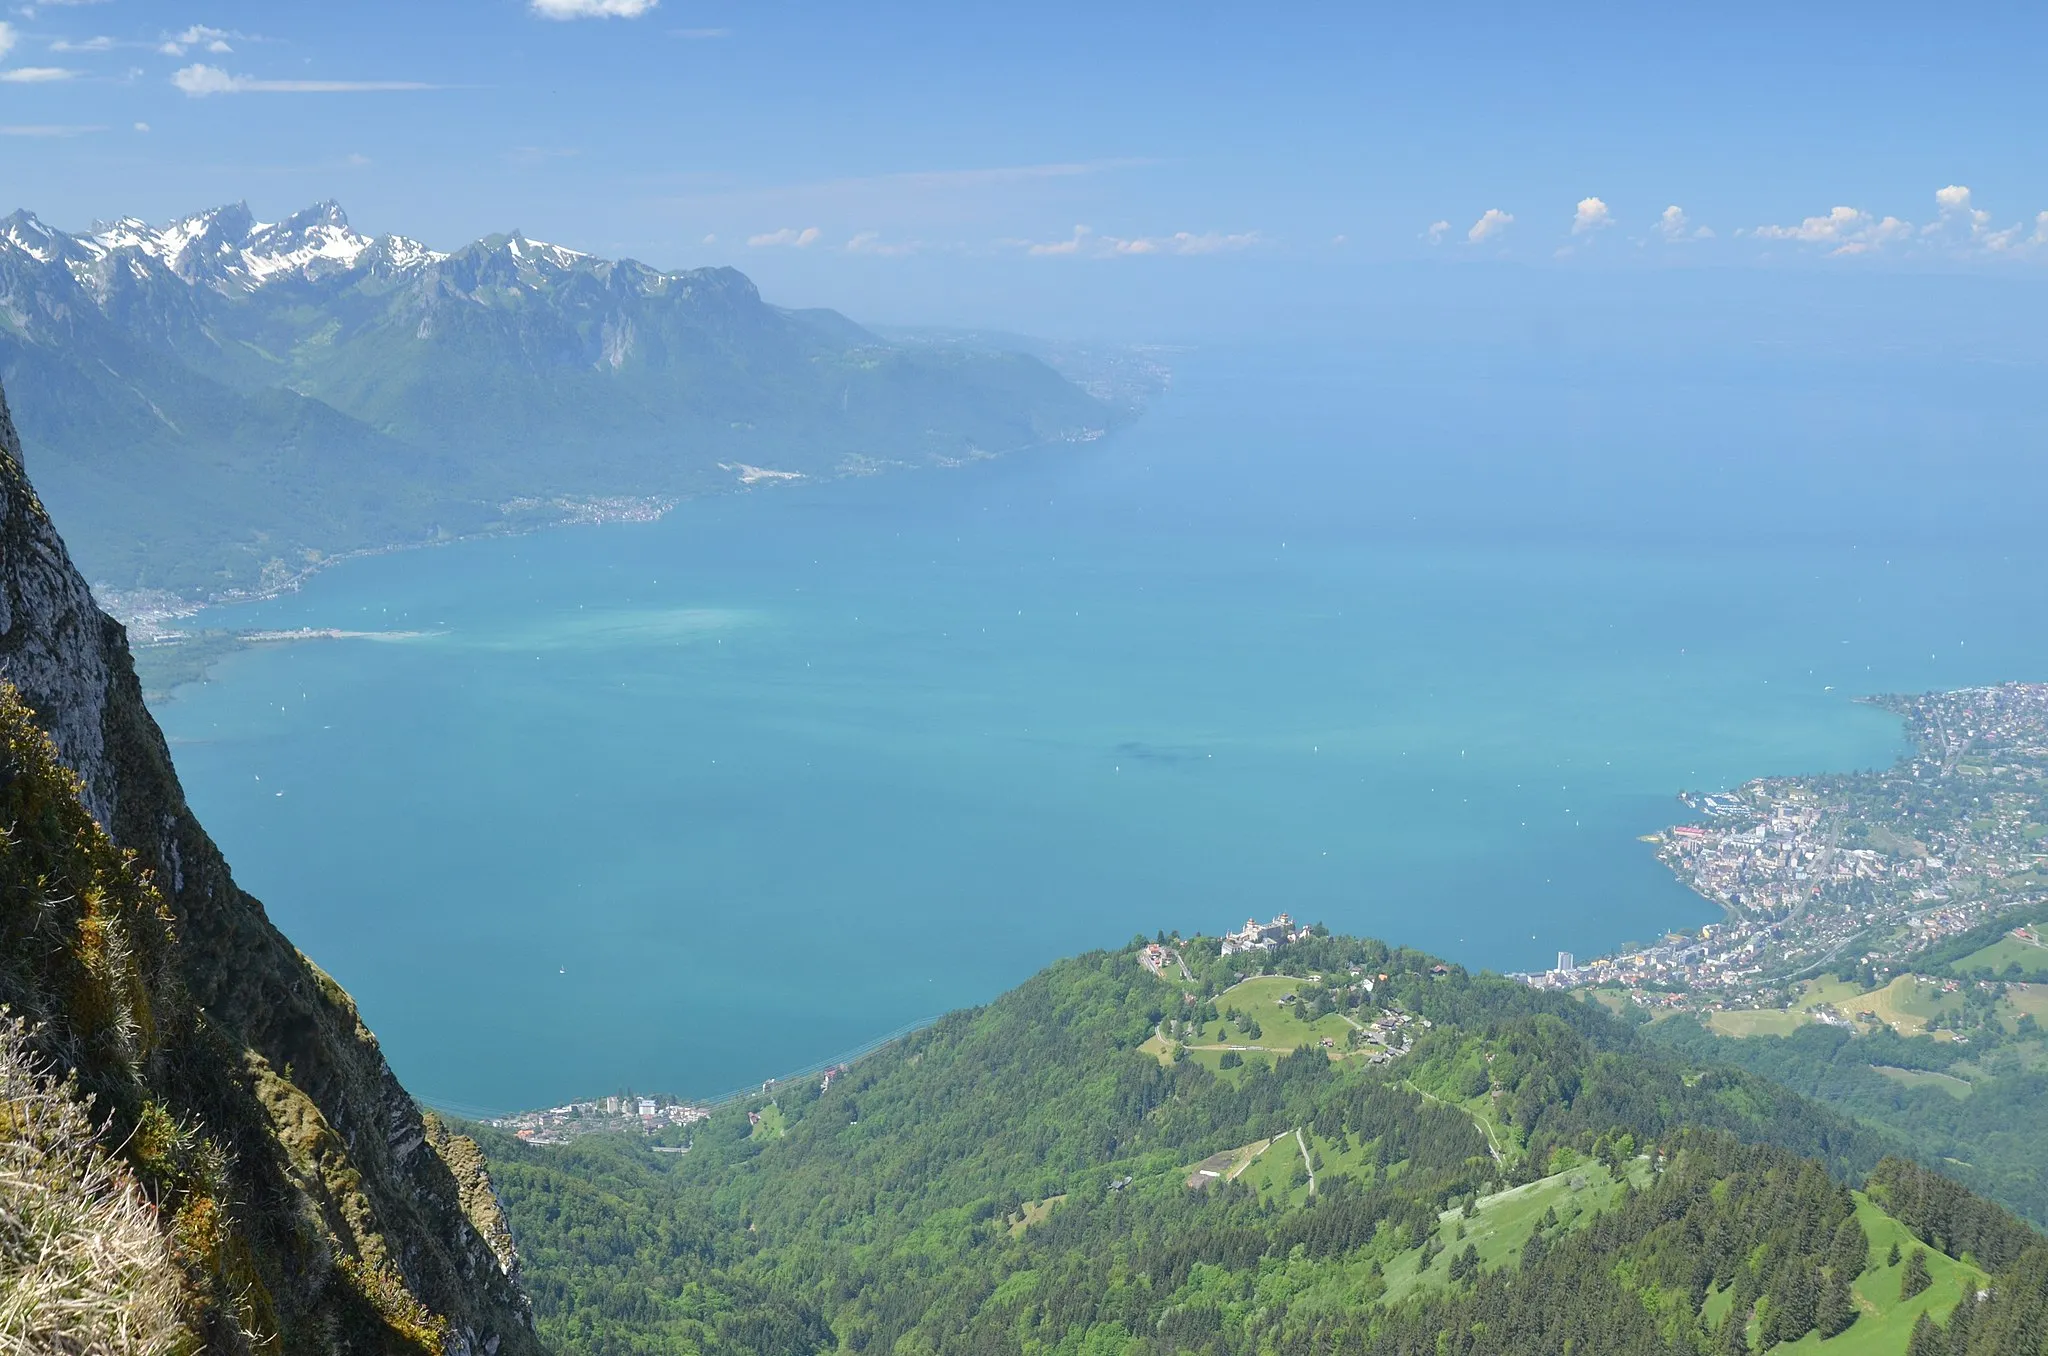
<point>592,9</point>
<point>1190,242</point>
<point>699,34</point>
<point>871,242</point>
<point>788,235</point>
<point>8,37</point>
<point>1849,230</point>
<point>1086,241</point>
<point>37,75</point>
<point>1592,215</point>
<point>199,81</point>
<point>99,44</point>
<point>1489,226</point>
<point>47,129</point>
<point>1436,232</point>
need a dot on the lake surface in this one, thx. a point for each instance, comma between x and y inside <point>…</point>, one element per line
<point>1383,640</point>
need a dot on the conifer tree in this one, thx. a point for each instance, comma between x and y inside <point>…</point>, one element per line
<point>1735,1332</point>
<point>1914,1278</point>
<point>1837,1307</point>
<point>1849,1250</point>
<point>1960,1322</point>
<point>1927,1339</point>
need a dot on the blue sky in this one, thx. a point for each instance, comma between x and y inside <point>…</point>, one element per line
<point>1060,166</point>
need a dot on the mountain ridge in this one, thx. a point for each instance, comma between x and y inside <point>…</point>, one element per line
<point>214,405</point>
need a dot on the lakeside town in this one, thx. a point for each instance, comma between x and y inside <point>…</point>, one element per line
<point>1851,871</point>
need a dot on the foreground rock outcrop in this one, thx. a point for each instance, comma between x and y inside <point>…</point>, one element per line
<point>307,1202</point>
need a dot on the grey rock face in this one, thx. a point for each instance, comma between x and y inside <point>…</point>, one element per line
<point>346,1146</point>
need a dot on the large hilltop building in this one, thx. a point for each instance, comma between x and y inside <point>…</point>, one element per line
<point>1257,936</point>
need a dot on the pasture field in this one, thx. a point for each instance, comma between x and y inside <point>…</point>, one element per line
<point>1887,1322</point>
<point>1923,1078</point>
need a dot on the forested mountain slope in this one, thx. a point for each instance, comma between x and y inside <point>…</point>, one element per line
<point>1360,1152</point>
<point>303,1202</point>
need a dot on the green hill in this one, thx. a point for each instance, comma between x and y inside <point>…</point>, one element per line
<point>1062,1171</point>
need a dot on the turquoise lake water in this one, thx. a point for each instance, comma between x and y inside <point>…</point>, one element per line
<point>1380,641</point>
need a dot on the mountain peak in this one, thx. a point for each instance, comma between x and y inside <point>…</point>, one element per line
<point>325,213</point>
<point>26,232</point>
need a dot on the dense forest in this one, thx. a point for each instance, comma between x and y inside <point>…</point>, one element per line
<point>1083,1166</point>
<point>1991,1139</point>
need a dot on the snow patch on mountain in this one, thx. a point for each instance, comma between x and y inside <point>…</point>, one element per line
<point>225,248</point>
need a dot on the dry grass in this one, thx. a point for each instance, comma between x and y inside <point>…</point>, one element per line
<point>84,1268</point>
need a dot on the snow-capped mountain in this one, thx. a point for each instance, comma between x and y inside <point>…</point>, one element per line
<point>228,248</point>
<point>220,399</point>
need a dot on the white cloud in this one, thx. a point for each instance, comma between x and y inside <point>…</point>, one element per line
<point>1674,225</point>
<point>37,75</point>
<point>100,44</point>
<point>142,127</point>
<point>1850,230</point>
<point>199,81</point>
<point>1959,211</point>
<point>1436,232</point>
<point>1958,207</point>
<point>1592,215</point>
<point>8,37</point>
<point>1490,224</point>
<point>199,35</point>
<point>592,9</point>
<point>711,239</point>
<point>788,235</point>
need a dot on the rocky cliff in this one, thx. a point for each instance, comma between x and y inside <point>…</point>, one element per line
<point>309,1204</point>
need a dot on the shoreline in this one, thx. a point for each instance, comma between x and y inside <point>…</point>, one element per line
<point>144,613</point>
<point>127,607</point>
